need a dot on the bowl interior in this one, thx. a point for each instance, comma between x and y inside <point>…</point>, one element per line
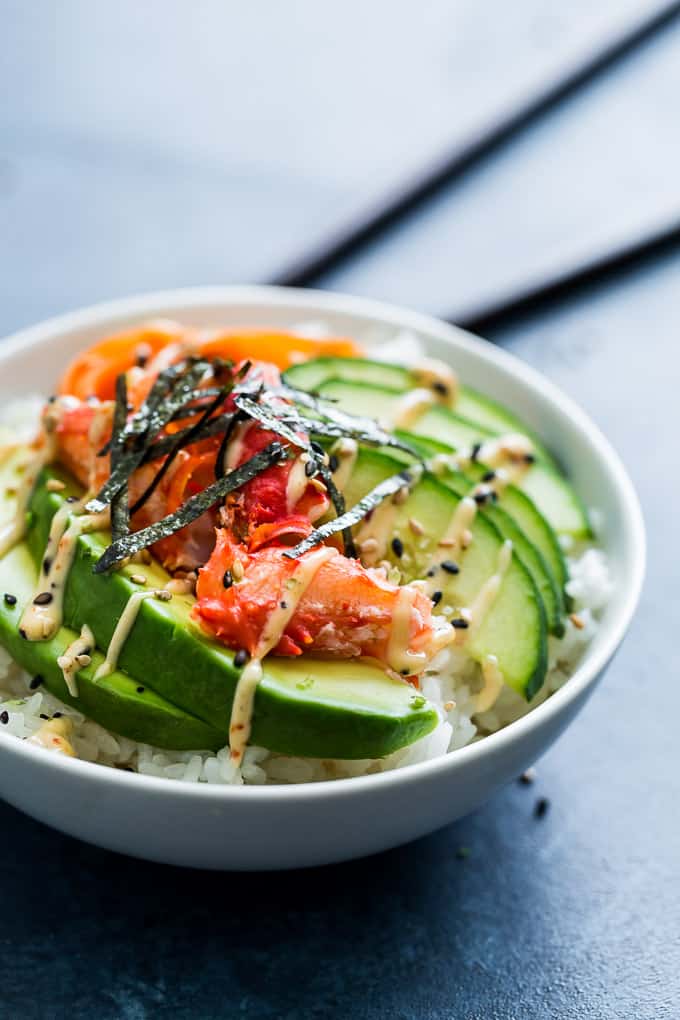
<point>32,361</point>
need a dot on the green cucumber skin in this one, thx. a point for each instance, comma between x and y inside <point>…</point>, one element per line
<point>371,467</point>
<point>114,702</point>
<point>167,652</point>
<point>517,504</point>
<point>544,483</point>
<point>471,404</point>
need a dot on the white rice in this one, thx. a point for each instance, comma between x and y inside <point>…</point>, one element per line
<point>450,684</point>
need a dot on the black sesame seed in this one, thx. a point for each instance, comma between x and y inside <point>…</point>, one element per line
<point>310,468</point>
<point>227,579</point>
<point>474,452</point>
<point>440,388</point>
<point>241,658</point>
<point>460,624</point>
<point>450,567</point>
<point>43,716</point>
<point>140,690</point>
<point>436,598</point>
<point>481,498</point>
<point>23,634</point>
<point>431,572</point>
<point>4,718</point>
<point>397,547</point>
<point>51,399</point>
<point>404,672</point>
<point>43,599</point>
<point>47,563</point>
<point>35,682</point>
<point>529,458</point>
<point>284,605</point>
<point>57,715</point>
<point>10,600</point>
<point>488,476</point>
<point>541,806</point>
<point>333,463</point>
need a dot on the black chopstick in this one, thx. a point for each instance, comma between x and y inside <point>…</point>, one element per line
<point>570,276</point>
<point>322,256</point>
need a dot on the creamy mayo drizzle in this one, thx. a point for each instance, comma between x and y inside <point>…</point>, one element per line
<point>493,684</point>
<point>486,596</point>
<point>399,656</point>
<point>347,451</point>
<point>438,377</point>
<point>296,485</point>
<point>373,536</point>
<point>54,736</point>
<point>410,407</point>
<point>14,530</point>
<point>236,443</point>
<point>43,616</point>
<point>77,656</point>
<point>240,723</point>
<point>122,632</point>
<point>453,541</point>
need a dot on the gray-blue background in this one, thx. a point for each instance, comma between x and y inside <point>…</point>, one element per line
<point>160,144</point>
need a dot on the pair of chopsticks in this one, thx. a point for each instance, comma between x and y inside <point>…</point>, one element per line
<point>559,281</point>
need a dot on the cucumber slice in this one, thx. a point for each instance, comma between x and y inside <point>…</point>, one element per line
<point>551,493</point>
<point>527,519</point>
<point>470,403</point>
<point>514,630</point>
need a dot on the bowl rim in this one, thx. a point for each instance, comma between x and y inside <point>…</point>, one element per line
<point>159,303</point>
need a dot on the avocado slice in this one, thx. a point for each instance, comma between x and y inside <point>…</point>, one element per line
<point>514,629</point>
<point>305,706</point>
<point>117,702</point>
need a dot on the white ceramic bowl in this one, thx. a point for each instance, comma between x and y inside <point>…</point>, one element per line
<point>251,828</point>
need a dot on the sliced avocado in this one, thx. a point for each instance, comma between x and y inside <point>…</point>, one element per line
<point>514,629</point>
<point>470,403</point>
<point>307,707</point>
<point>551,493</point>
<point>117,702</point>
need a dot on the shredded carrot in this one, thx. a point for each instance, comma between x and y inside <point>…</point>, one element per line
<point>277,347</point>
<point>94,371</point>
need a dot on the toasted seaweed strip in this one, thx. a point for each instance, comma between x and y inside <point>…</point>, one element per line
<point>169,392</point>
<point>163,446</point>
<point>180,441</point>
<point>338,501</point>
<point>339,424</point>
<point>270,419</point>
<point>120,511</point>
<point>192,509</point>
<point>220,459</point>
<point>370,501</point>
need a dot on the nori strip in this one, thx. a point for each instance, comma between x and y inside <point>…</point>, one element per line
<point>120,510</point>
<point>169,392</point>
<point>192,509</point>
<point>163,446</point>
<point>369,502</point>
<point>181,439</point>
<point>270,419</point>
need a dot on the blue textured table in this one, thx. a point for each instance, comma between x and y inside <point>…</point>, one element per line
<point>159,148</point>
